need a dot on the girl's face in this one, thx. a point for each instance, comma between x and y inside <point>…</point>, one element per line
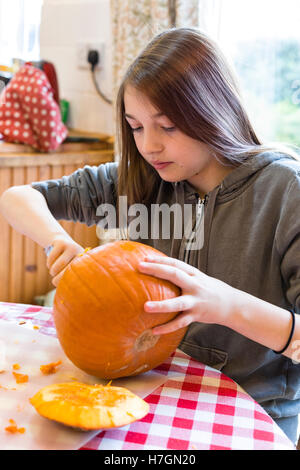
<point>173,154</point>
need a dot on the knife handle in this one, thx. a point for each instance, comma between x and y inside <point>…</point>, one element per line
<point>48,249</point>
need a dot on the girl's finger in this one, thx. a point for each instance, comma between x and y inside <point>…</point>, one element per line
<point>168,272</point>
<point>177,304</point>
<point>53,255</point>
<point>61,262</point>
<point>181,321</point>
<point>57,278</point>
<point>58,265</point>
<point>173,262</point>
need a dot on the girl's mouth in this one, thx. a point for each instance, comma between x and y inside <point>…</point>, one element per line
<point>160,165</point>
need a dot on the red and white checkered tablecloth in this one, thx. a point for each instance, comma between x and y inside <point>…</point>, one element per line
<point>197,407</point>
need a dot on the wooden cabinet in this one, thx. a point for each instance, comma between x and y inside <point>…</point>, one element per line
<point>23,271</point>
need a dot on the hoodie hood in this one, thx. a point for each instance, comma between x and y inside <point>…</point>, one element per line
<point>237,179</point>
<point>234,181</point>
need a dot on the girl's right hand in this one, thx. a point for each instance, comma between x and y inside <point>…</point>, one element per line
<point>64,250</point>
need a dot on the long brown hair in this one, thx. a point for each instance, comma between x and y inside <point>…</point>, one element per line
<point>185,75</point>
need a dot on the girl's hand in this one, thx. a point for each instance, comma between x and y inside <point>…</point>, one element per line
<point>63,252</point>
<point>203,298</point>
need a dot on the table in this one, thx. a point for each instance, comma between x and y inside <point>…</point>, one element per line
<point>196,408</point>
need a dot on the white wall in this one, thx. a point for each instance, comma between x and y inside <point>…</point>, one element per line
<point>65,23</point>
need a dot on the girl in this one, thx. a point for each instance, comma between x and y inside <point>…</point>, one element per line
<point>185,138</point>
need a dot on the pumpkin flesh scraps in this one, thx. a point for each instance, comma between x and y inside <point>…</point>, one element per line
<point>13,428</point>
<point>20,378</point>
<point>89,406</point>
<point>85,251</point>
<point>48,369</point>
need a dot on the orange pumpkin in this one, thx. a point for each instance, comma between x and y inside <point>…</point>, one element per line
<point>89,406</point>
<point>99,312</point>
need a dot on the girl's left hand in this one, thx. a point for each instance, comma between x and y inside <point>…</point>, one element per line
<point>203,298</point>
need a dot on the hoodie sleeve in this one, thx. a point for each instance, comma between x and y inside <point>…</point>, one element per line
<point>288,242</point>
<point>77,196</point>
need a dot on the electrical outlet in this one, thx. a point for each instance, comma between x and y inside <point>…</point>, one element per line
<point>83,49</point>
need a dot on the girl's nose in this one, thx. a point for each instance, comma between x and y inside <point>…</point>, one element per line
<point>151,143</point>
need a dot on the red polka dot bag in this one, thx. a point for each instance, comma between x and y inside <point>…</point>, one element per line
<point>28,112</point>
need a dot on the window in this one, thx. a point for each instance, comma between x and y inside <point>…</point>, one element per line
<point>262,40</point>
<point>19,30</point>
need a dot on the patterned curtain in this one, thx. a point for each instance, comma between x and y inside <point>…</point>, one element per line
<point>135,22</point>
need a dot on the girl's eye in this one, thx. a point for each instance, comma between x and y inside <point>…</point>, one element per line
<point>166,129</point>
<point>169,129</point>
<point>136,129</point>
